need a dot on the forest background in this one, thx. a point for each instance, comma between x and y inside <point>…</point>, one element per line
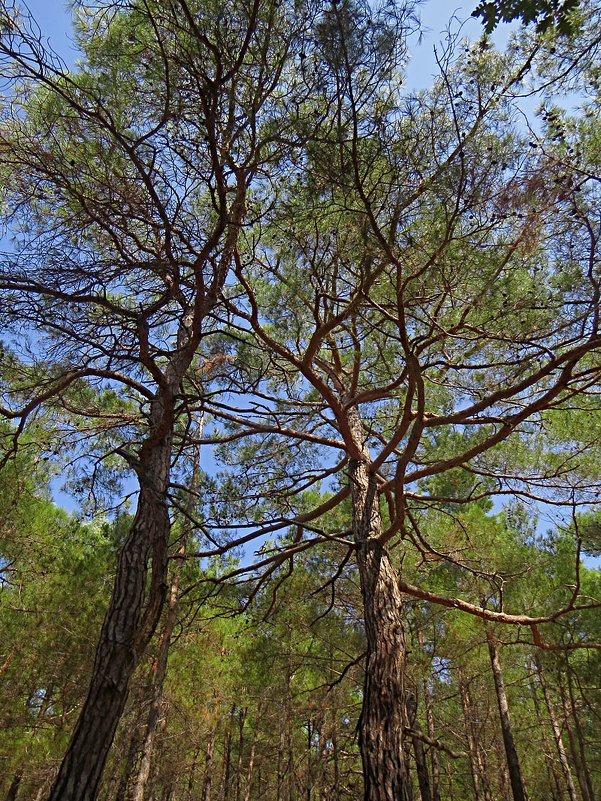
<point>234,231</point>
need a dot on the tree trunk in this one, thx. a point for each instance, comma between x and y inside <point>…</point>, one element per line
<point>382,717</point>
<point>207,783</point>
<point>431,728</point>
<point>563,757</point>
<point>156,700</point>
<point>14,785</point>
<point>586,774</point>
<point>421,765</point>
<point>553,778</point>
<point>125,632</point>
<point>164,644</point>
<point>192,774</point>
<point>513,764</point>
<point>466,705</point>
<point>251,759</point>
<point>309,782</point>
<point>227,757</point>
<point>336,788</point>
<point>281,754</point>
<point>290,738</point>
<point>241,721</point>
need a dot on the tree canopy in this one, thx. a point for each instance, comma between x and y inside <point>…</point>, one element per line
<point>230,229</point>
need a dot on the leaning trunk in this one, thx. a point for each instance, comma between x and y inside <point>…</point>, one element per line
<point>563,757</point>
<point>382,716</point>
<point>513,764</point>
<point>126,630</point>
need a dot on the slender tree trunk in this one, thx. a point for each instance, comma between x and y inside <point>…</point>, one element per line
<point>130,621</point>
<point>322,792</point>
<point>574,752</point>
<point>241,721</point>
<point>309,781</point>
<point>156,699</point>
<point>382,717</point>
<point>121,783</point>
<point>290,738</point>
<point>553,778</point>
<point>431,728</point>
<point>251,759</point>
<point>162,656</point>
<point>421,765</point>
<point>281,757</point>
<point>192,774</point>
<point>580,738</point>
<point>563,757</point>
<point>466,705</point>
<point>513,764</point>
<point>336,794</point>
<point>207,783</point>
<point>14,785</point>
<point>227,758</point>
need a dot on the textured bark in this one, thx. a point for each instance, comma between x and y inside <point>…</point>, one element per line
<point>513,764</point>
<point>129,622</point>
<point>382,717</point>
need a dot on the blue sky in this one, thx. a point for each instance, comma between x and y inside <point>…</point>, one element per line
<point>53,16</point>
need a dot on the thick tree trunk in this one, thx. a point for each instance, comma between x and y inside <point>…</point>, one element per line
<point>125,632</point>
<point>513,764</point>
<point>382,717</point>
